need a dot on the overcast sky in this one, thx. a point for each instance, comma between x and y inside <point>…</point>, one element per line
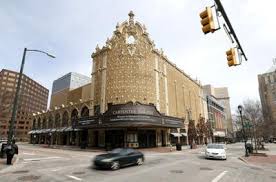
<point>71,29</point>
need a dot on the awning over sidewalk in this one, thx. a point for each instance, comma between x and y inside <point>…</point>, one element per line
<point>184,134</point>
<point>176,134</point>
<point>219,134</point>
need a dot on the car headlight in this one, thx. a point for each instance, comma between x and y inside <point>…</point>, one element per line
<point>107,160</point>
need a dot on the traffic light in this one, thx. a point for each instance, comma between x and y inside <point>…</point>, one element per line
<point>231,57</point>
<point>207,21</point>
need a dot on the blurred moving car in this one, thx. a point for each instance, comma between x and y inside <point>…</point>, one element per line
<point>118,158</point>
<point>215,151</point>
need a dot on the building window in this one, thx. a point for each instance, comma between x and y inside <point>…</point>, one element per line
<point>132,137</point>
<point>274,96</point>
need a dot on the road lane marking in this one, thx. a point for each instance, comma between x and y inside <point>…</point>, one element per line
<point>25,153</point>
<point>42,158</point>
<point>74,177</point>
<point>219,176</point>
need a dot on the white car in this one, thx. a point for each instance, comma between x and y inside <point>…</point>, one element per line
<point>215,151</point>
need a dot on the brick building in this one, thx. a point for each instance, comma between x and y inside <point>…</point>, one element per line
<point>32,98</point>
<point>267,91</point>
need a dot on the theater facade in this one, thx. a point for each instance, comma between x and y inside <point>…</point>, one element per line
<point>137,98</point>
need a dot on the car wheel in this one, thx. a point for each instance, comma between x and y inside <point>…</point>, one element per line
<point>115,165</point>
<point>140,161</point>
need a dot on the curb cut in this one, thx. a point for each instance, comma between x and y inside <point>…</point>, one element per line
<point>243,160</point>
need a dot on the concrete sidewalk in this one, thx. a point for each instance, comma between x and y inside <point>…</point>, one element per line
<point>3,161</point>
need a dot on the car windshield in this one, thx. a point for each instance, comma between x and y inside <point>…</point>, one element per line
<point>215,146</point>
<point>116,151</point>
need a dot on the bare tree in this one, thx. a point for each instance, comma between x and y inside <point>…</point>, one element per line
<point>253,112</point>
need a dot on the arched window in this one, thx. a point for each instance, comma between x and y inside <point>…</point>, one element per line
<point>57,120</point>
<point>74,117</point>
<point>44,123</point>
<point>34,124</point>
<point>39,124</point>
<point>50,121</point>
<point>84,112</point>
<point>65,118</point>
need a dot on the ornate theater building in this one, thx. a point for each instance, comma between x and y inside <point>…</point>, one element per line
<point>136,98</point>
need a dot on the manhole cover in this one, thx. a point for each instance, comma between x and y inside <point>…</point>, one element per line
<point>205,168</point>
<point>29,178</point>
<point>19,172</point>
<point>76,173</point>
<point>176,171</point>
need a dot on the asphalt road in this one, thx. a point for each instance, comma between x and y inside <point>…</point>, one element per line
<point>43,164</point>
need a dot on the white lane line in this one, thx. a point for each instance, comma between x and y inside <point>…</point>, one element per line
<point>43,158</point>
<point>74,177</point>
<point>219,176</point>
<point>25,153</point>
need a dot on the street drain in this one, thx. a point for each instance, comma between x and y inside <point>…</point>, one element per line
<point>176,171</point>
<point>29,178</point>
<point>256,168</point>
<point>273,177</point>
<point>205,168</point>
<point>76,173</point>
<point>19,172</point>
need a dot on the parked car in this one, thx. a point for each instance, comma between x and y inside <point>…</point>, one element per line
<point>215,151</point>
<point>118,158</point>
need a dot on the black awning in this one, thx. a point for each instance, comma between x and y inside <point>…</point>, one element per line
<point>129,115</point>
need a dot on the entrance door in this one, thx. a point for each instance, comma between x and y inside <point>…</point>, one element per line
<point>163,139</point>
<point>96,138</point>
<point>147,138</point>
<point>114,138</point>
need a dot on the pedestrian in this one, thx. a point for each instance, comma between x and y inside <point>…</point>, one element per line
<point>10,150</point>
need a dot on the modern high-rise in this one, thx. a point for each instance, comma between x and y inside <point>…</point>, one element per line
<point>267,91</point>
<point>64,84</point>
<point>32,98</point>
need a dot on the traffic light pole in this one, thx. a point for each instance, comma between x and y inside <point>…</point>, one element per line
<point>232,32</point>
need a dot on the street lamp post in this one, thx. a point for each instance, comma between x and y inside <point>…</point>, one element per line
<point>15,102</point>
<point>244,137</point>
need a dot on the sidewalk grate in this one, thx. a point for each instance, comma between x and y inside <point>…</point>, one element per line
<point>28,178</point>
<point>78,173</point>
<point>19,172</point>
<point>177,171</point>
<point>205,169</point>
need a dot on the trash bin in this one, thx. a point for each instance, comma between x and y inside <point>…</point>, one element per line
<point>249,148</point>
<point>178,146</point>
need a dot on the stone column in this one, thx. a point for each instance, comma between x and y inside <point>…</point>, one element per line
<point>103,86</point>
<point>166,90</point>
<point>93,87</point>
<point>157,84</point>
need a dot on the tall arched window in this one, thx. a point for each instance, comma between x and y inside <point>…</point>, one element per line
<point>65,118</point>
<point>57,120</point>
<point>74,117</point>
<point>84,112</point>
<point>50,121</point>
<point>39,124</point>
